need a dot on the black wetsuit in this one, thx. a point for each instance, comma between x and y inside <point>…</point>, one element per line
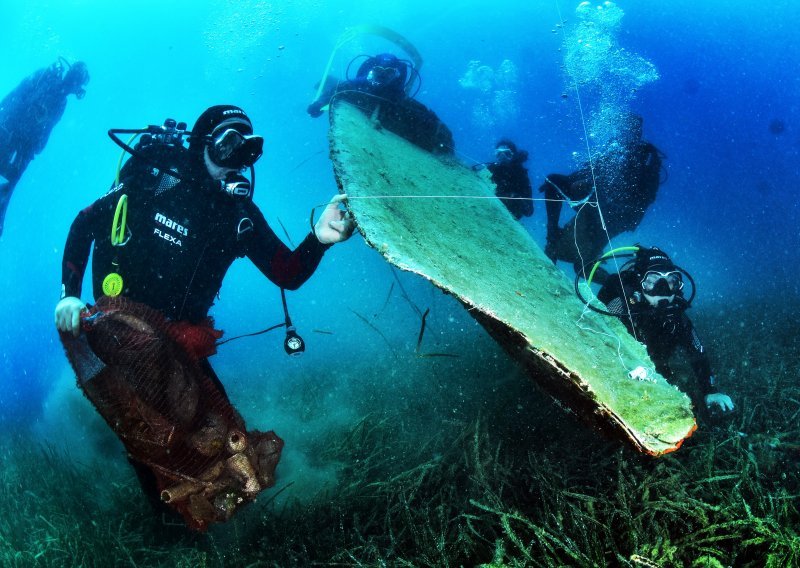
<point>512,180</point>
<point>396,112</point>
<point>27,116</point>
<point>184,235</point>
<point>661,330</point>
<point>627,183</point>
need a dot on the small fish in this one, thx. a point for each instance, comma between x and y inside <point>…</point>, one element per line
<point>422,328</point>
<point>451,355</point>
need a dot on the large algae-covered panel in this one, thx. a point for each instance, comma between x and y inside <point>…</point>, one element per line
<point>440,220</point>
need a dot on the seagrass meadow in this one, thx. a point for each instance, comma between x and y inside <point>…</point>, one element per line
<point>508,480</point>
<point>412,438</point>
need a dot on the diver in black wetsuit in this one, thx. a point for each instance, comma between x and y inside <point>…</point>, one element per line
<point>627,177</point>
<point>511,178</point>
<point>187,231</point>
<point>647,297</point>
<point>379,89</point>
<point>28,115</point>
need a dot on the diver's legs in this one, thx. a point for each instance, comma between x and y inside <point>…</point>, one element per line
<point>553,202</point>
<point>10,172</point>
<point>6,189</point>
<point>209,371</point>
<point>581,241</point>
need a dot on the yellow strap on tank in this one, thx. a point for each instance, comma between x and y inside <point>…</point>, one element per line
<point>351,33</point>
<point>120,219</point>
<point>600,260</point>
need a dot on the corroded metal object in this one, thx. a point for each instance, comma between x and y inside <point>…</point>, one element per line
<point>440,219</point>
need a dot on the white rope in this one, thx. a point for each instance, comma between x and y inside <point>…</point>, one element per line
<point>596,204</point>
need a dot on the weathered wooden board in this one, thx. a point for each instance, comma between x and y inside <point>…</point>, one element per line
<point>465,242</point>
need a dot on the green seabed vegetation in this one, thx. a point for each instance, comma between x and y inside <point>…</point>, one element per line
<point>512,481</point>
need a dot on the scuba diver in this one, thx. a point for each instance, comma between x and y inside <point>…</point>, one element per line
<point>28,115</point>
<point>383,76</point>
<point>380,89</point>
<point>191,215</point>
<point>624,181</point>
<point>648,297</point>
<point>511,178</point>
<point>194,219</point>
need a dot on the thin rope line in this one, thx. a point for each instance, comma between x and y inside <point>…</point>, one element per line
<point>588,150</point>
<point>596,204</point>
<point>349,197</point>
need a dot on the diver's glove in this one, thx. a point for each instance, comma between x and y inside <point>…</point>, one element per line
<point>68,315</point>
<point>334,225</point>
<point>314,110</point>
<point>720,399</point>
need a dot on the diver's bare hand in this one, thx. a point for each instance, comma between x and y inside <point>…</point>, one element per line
<point>334,225</point>
<point>68,315</point>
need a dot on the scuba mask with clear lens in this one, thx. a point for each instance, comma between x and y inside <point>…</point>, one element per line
<point>382,76</point>
<point>662,283</point>
<point>232,149</point>
<point>504,154</point>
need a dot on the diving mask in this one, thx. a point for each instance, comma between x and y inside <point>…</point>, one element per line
<point>382,76</point>
<point>232,149</point>
<point>504,154</point>
<point>662,283</point>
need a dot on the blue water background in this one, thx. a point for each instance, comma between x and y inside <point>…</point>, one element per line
<point>728,212</point>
